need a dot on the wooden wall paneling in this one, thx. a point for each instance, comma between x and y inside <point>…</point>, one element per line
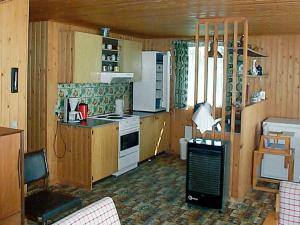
<point>37,66</point>
<point>252,117</point>
<point>14,53</point>
<point>290,73</point>
<point>295,87</point>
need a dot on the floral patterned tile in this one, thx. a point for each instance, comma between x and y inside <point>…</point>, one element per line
<point>99,97</point>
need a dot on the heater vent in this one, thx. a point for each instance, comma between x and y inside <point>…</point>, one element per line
<point>205,172</point>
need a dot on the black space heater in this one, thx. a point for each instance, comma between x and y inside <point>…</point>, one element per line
<point>208,169</point>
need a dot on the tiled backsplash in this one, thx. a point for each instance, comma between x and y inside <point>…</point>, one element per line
<point>100,97</point>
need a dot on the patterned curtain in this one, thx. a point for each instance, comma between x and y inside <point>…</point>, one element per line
<point>181,52</point>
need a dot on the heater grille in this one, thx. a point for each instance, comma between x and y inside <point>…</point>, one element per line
<point>205,172</point>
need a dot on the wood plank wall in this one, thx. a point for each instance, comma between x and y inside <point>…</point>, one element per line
<point>44,71</point>
<point>283,66</point>
<point>252,117</point>
<point>14,22</point>
<point>37,83</point>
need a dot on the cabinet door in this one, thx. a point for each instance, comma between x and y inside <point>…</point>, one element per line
<point>162,132</point>
<point>10,186</point>
<point>74,151</point>
<point>131,58</point>
<point>104,151</point>
<point>146,138</point>
<point>87,57</point>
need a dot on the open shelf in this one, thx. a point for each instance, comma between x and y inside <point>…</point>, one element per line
<point>110,50</point>
<point>251,52</point>
<point>258,76</point>
<point>256,102</point>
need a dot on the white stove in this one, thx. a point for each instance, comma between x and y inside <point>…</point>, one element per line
<point>129,140</point>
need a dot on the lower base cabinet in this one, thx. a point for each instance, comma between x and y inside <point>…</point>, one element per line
<point>11,175</point>
<point>86,155</point>
<point>155,135</point>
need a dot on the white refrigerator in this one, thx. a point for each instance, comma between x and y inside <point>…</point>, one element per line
<point>273,166</point>
<point>152,93</point>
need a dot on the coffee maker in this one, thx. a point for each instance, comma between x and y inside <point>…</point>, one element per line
<point>70,113</point>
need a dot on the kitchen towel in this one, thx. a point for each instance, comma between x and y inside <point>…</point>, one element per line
<point>202,117</point>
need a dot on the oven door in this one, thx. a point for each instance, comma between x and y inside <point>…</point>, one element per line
<point>129,142</point>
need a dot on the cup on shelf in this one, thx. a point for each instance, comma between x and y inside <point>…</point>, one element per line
<point>108,58</point>
<point>109,47</point>
<point>113,58</point>
<point>103,57</point>
<point>116,69</point>
<point>104,68</point>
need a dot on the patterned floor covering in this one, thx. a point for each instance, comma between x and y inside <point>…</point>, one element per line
<point>154,193</point>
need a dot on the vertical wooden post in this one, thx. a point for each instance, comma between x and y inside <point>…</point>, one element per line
<point>194,130</point>
<point>233,99</point>
<point>245,63</point>
<point>216,33</point>
<point>224,78</point>
<point>206,59</point>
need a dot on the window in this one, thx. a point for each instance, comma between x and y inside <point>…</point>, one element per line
<point>191,80</point>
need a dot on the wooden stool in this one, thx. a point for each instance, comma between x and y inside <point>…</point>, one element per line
<point>270,144</point>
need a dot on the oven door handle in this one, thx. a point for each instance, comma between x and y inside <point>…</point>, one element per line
<point>125,132</point>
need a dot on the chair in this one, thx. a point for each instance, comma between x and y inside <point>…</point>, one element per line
<point>44,205</point>
<point>274,145</point>
<point>287,205</point>
<point>101,212</point>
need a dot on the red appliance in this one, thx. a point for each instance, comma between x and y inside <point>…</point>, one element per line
<point>83,108</point>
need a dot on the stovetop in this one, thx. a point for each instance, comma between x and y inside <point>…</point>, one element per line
<point>113,116</point>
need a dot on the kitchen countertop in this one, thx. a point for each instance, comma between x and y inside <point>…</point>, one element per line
<point>89,123</point>
<point>144,114</point>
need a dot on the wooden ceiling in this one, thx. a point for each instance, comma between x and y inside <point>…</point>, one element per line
<point>169,18</point>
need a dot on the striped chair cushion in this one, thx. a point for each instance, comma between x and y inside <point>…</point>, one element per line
<point>289,203</point>
<point>101,212</point>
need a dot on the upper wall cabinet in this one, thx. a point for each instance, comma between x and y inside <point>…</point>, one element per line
<point>131,58</point>
<point>80,57</point>
<point>87,57</point>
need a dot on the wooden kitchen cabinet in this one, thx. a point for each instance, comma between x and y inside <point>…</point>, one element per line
<point>147,149</point>
<point>80,57</point>
<point>104,151</point>
<point>154,135</point>
<point>162,132</point>
<point>11,174</point>
<point>131,58</point>
<point>86,155</point>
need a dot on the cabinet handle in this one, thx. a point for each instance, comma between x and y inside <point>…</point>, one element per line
<point>117,128</point>
<point>19,167</point>
<point>141,123</point>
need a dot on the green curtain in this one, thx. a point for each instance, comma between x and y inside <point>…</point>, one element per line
<point>181,52</point>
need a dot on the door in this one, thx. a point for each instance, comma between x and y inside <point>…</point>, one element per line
<point>131,58</point>
<point>147,136</point>
<point>10,186</point>
<point>87,57</point>
<point>161,132</point>
<point>104,151</point>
